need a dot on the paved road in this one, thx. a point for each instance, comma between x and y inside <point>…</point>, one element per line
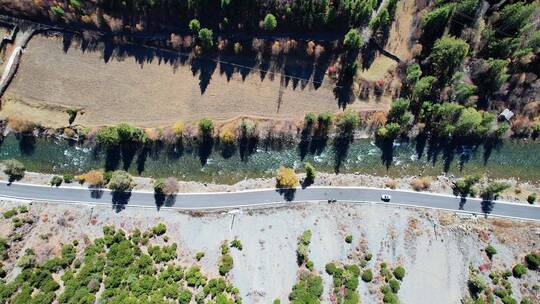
<point>265,196</point>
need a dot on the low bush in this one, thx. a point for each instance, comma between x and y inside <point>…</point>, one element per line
<point>348,239</point>
<point>531,198</point>
<point>14,169</point>
<point>399,273</point>
<point>394,285</point>
<point>519,270</point>
<point>309,265</point>
<point>121,181</point>
<point>330,268</point>
<point>199,255</point>
<point>68,178</point>
<point>10,213</point>
<point>490,251</point>
<point>159,229</point>
<point>56,181</point>
<point>93,178</point>
<point>476,284</point>
<point>236,243</point>
<point>308,289</point>
<point>226,264</point>
<point>533,260</point>
<point>367,275</point>
<point>421,184</point>
<point>368,256</point>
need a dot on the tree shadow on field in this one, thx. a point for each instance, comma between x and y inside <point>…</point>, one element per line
<point>141,158</point>
<point>342,144</point>
<point>205,68</point>
<point>27,144</point>
<point>387,150</point>
<point>227,150</point>
<point>205,146</point>
<point>112,157</point>
<point>302,69</point>
<point>119,200</point>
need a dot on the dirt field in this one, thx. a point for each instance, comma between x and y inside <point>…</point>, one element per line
<point>151,92</point>
<point>435,248</point>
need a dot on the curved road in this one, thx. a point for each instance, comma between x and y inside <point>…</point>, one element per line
<point>265,196</point>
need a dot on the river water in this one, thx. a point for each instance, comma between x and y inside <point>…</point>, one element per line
<point>514,158</point>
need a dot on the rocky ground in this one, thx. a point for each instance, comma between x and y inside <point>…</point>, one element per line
<point>435,247</point>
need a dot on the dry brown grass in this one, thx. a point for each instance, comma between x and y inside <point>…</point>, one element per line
<point>93,178</point>
<point>420,184</point>
<point>391,183</point>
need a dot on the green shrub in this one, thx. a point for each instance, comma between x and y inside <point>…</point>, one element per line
<point>269,22</point>
<point>390,298</point>
<point>226,264</point>
<point>367,275</point>
<point>531,198</point>
<point>224,248</point>
<point>509,300</point>
<point>159,186</point>
<point>533,260</point>
<point>206,127</point>
<point>68,178</point>
<point>194,26</point>
<point>58,11</point>
<point>309,265</point>
<point>519,270</point>
<point>56,181</point>
<point>399,273</point>
<point>353,40</point>
<point>121,181</point>
<point>184,296</point>
<point>490,251</point>
<point>308,289</point>
<point>310,172</point>
<point>448,53</point>
<point>394,285</point>
<point>236,243</point>
<point>476,284</point>
<point>330,268</point>
<point>14,169</point>
<point>159,229</point>
<point>500,292</point>
<point>348,239</point>
<point>368,256</point>
<point>10,213</point>
<point>277,301</point>
<point>199,255</point>
<point>206,37</point>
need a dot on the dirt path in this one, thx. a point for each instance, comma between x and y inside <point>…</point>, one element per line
<point>12,64</point>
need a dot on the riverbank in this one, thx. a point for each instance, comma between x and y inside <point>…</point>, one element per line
<point>516,193</point>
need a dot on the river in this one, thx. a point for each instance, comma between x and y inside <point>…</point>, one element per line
<point>512,158</point>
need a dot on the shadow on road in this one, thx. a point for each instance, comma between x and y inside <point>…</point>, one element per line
<point>164,200</point>
<point>120,200</point>
<point>287,193</point>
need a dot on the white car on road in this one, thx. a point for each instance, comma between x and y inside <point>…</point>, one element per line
<point>386,197</point>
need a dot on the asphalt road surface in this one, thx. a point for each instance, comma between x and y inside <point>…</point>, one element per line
<point>265,196</point>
